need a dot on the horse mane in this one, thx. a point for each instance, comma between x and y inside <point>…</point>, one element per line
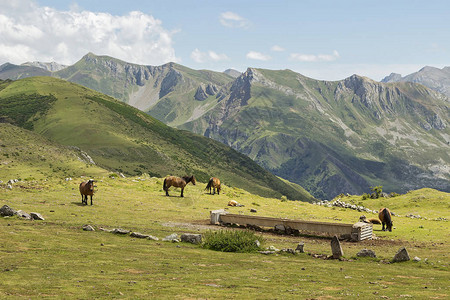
<point>188,178</point>
<point>209,183</point>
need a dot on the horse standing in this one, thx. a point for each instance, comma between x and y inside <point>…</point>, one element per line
<point>214,183</point>
<point>177,182</point>
<point>385,217</point>
<point>86,189</point>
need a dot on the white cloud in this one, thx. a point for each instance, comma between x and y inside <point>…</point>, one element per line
<point>277,48</point>
<point>29,32</point>
<point>314,57</point>
<point>201,57</point>
<point>258,56</point>
<point>233,20</point>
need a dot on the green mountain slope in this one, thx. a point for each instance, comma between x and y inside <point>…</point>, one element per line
<point>27,156</point>
<point>121,138</point>
<point>335,137</point>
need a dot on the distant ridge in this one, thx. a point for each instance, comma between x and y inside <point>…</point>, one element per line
<point>233,73</point>
<point>434,78</point>
<point>49,66</point>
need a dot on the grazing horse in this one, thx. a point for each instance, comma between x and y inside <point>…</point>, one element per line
<point>177,182</point>
<point>86,189</point>
<point>385,217</point>
<point>213,183</point>
<point>364,219</point>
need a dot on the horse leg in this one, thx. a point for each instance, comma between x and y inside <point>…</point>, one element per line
<point>382,226</point>
<point>182,189</point>
<point>82,199</point>
<point>91,200</point>
<point>214,190</point>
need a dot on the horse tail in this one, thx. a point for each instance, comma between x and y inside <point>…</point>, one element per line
<point>165,184</point>
<point>387,216</point>
<point>209,184</point>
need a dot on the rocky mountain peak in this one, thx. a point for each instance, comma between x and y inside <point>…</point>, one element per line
<point>392,78</point>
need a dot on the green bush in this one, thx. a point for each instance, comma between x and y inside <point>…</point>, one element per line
<point>232,241</point>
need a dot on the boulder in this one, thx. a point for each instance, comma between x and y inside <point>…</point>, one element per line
<point>171,238</point>
<point>257,243</point>
<point>88,228</point>
<point>336,248</point>
<point>120,231</point>
<point>191,238</point>
<point>153,238</point>
<point>366,253</point>
<point>401,255</point>
<point>253,210</point>
<point>416,259</point>
<point>36,216</point>
<point>300,247</point>
<point>6,211</point>
<point>23,214</point>
<point>139,235</point>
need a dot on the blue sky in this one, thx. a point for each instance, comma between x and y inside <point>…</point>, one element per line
<point>328,40</point>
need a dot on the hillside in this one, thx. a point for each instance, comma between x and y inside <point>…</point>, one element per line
<point>335,137</point>
<point>121,138</point>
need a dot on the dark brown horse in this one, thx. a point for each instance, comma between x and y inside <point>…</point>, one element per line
<point>385,217</point>
<point>86,189</point>
<point>177,182</point>
<point>214,183</point>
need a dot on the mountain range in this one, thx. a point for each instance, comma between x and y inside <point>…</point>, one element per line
<point>330,137</point>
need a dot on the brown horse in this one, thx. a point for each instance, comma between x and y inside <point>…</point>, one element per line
<point>385,217</point>
<point>214,183</point>
<point>86,189</point>
<point>177,182</point>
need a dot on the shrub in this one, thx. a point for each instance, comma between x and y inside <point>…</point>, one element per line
<point>232,241</point>
<point>283,199</point>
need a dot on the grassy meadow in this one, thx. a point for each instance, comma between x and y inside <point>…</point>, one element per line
<point>55,258</point>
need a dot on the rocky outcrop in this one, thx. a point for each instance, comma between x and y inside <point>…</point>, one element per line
<point>170,81</point>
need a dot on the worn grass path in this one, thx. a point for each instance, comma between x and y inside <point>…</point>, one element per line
<point>55,258</point>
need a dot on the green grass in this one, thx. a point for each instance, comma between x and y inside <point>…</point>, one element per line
<point>55,258</point>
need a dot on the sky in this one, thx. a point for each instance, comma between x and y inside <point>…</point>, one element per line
<point>321,39</point>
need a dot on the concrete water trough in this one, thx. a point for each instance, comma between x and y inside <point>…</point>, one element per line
<point>356,232</point>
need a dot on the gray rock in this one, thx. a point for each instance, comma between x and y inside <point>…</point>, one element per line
<point>200,94</point>
<point>401,255</point>
<point>153,238</point>
<point>280,227</point>
<point>23,214</point>
<point>366,253</point>
<point>121,175</point>
<point>6,211</point>
<point>36,216</point>
<point>171,238</point>
<point>416,259</point>
<point>88,227</point>
<point>267,252</point>
<point>289,250</point>
<point>253,210</point>
<point>120,231</point>
<point>9,187</point>
<point>272,248</point>
<point>300,247</point>
<point>257,243</point>
<point>191,238</point>
<point>336,248</point>
<point>139,235</point>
